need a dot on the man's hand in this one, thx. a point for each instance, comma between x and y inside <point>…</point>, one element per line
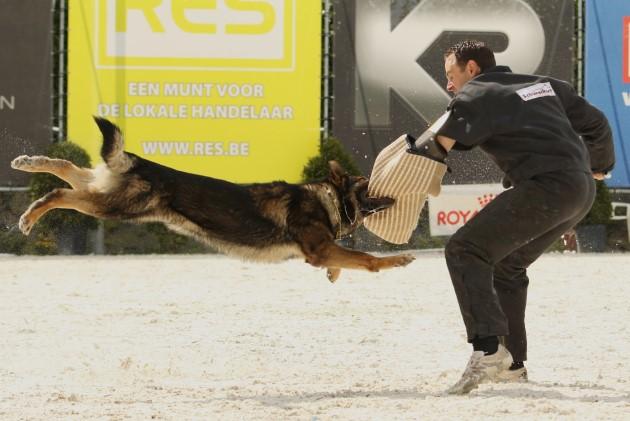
<point>600,176</point>
<point>446,142</point>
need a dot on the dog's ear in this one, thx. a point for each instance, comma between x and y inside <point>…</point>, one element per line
<point>337,173</point>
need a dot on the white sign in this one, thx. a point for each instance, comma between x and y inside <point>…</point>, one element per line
<point>457,204</point>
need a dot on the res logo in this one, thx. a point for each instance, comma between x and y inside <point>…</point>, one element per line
<point>196,34</point>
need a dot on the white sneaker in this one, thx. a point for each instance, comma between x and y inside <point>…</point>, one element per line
<point>482,368</point>
<point>513,376</point>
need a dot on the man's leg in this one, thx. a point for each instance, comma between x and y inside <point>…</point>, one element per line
<point>532,210</point>
<point>524,218</point>
<point>511,282</point>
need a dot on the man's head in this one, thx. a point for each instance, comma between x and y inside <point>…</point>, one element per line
<point>465,60</point>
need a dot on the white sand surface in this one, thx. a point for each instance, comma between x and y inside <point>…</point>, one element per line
<point>209,337</point>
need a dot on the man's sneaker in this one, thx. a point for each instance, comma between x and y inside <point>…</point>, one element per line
<point>518,375</point>
<point>482,368</point>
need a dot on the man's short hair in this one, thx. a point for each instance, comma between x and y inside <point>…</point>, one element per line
<point>472,50</point>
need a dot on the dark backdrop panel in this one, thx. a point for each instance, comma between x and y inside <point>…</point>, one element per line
<point>25,83</point>
<point>389,74</point>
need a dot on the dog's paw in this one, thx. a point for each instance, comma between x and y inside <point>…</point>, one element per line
<point>333,274</point>
<point>28,163</point>
<point>21,162</point>
<point>403,259</point>
<point>390,262</point>
<point>25,225</point>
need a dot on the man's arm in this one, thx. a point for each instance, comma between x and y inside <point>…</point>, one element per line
<point>431,145</point>
<point>592,126</point>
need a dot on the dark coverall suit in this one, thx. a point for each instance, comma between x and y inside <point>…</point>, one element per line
<point>547,140</point>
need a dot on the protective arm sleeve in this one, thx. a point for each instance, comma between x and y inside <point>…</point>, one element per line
<point>407,178</point>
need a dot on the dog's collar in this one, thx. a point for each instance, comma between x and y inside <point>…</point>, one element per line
<point>335,214</point>
<point>332,207</point>
<point>330,200</point>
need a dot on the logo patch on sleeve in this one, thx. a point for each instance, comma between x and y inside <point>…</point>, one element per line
<point>536,91</point>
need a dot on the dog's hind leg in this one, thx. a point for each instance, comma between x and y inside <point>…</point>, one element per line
<point>58,198</point>
<point>77,177</point>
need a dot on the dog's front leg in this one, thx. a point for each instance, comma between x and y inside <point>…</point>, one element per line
<point>331,255</point>
<point>321,250</point>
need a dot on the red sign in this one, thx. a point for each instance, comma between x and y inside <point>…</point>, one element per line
<point>626,49</point>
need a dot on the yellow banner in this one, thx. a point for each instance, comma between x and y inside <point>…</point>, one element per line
<point>224,88</point>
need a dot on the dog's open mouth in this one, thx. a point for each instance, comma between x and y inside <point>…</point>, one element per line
<point>369,205</point>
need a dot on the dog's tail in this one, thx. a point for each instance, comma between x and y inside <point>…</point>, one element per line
<point>112,151</point>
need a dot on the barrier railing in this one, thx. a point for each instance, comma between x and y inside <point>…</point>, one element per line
<point>626,216</point>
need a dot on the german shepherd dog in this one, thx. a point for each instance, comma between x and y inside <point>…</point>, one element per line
<point>265,222</point>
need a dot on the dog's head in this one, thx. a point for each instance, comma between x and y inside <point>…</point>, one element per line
<point>354,202</point>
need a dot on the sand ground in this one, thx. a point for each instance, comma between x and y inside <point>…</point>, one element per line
<point>209,337</point>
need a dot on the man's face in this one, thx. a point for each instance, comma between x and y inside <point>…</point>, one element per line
<point>457,75</point>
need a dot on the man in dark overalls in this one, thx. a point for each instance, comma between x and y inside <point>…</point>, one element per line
<point>551,144</point>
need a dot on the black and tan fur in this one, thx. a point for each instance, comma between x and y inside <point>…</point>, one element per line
<point>265,222</point>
